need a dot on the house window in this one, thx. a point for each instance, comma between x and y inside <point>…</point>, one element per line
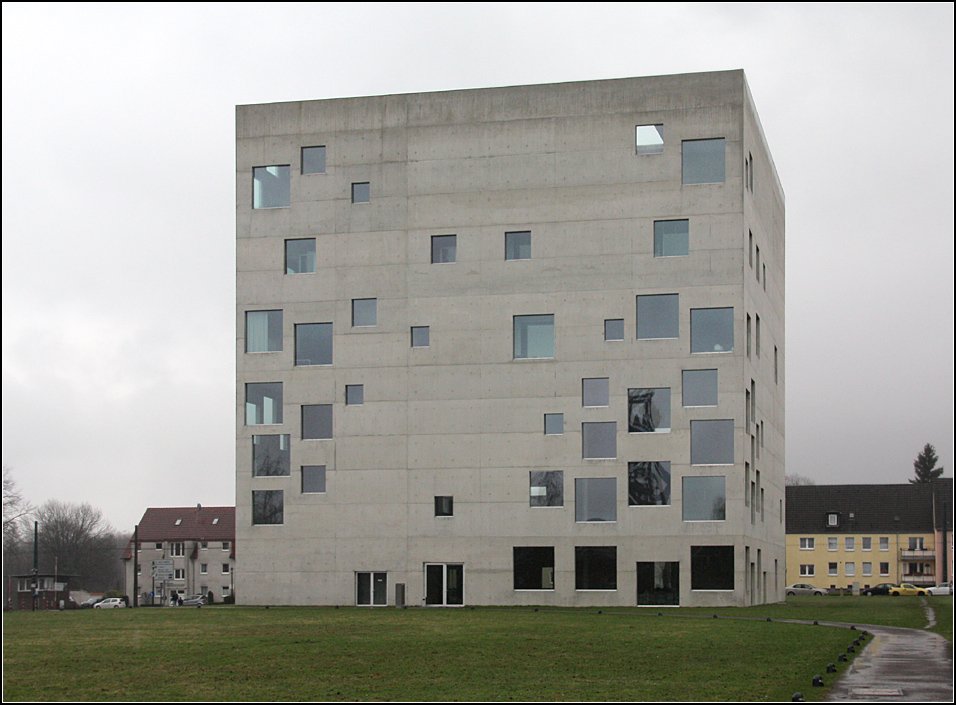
<point>649,410</point>
<point>832,543</point>
<point>884,543</point>
<point>420,335</point>
<point>649,139</point>
<point>702,161</point>
<point>849,543</point>
<point>613,329</point>
<point>867,568</point>
<point>915,543</point>
<point>313,344</point>
<point>361,192</point>
<point>444,506</point>
<point>832,568</point>
<point>534,337</point>
<point>158,546</point>
<point>671,238</point>
<point>866,543</point>
<point>225,569</point>
<point>313,479</point>
<point>884,568</point>
<point>204,544</point>
<point>267,507</point>
<point>599,440</point>
<point>807,570</point>
<point>833,519</point>
<point>704,499</point>
<point>313,160</point>
<point>807,544</point>
<point>712,567</point>
<point>699,387</point>
<point>226,545</point>
<point>547,488</point>
<point>849,569</point>
<point>553,424</point>
<point>757,334</point>
<point>270,455</point>
<point>179,574</point>
<point>712,442</point>
<point>263,403</point>
<point>595,499</point>
<point>177,549</point>
<point>518,245</point>
<point>271,186</point>
<point>657,316</point>
<point>263,331</point>
<point>203,568</point>
<point>444,248</point>
<point>649,483</point>
<point>595,567</point>
<point>364,312</point>
<point>371,589</point>
<point>354,394</point>
<point>533,567</point>
<point>316,421</point>
<point>300,256</point>
<point>711,330</point>
<point>226,591</point>
<point>595,391</point>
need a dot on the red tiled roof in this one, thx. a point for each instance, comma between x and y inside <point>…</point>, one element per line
<point>195,524</point>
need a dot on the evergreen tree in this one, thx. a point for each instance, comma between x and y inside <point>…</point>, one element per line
<point>924,466</point>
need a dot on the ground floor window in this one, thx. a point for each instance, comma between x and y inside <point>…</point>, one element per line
<point>658,583</point>
<point>712,567</point>
<point>534,567</point>
<point>371,589</point>
<point>595,567</point>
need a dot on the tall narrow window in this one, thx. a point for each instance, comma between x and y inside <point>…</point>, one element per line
<point>702,161</point>
<point>757,334</point>
<point>300,256</point>
<point>271,186</point>
<point>263,331</point>
<point>649,139</point>
<point>671,238</point>
<point>534,336</point>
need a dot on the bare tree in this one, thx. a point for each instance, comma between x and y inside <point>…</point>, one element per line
<point>15,508</point>
<point>796,480</point>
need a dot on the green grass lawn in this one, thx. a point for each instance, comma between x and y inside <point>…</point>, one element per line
<point>415,654</point>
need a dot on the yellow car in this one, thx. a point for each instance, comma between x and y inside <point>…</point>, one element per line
<point>907,589</point>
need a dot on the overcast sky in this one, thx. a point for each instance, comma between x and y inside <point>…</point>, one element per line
<point>119,212</point>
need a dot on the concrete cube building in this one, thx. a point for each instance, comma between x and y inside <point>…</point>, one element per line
<point>511,346</point>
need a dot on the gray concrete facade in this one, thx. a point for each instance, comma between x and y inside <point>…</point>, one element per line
<point>462,417</point>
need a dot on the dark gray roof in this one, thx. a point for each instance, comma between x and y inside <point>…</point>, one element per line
<point>868,508</point>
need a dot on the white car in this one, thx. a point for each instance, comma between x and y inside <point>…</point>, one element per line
<point>803,589</point>
<point>941,589</point>
<point>109,603</point>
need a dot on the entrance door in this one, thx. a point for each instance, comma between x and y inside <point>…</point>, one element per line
<point>444,584</point>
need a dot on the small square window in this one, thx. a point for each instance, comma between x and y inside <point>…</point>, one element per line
<point>699,387</point>
<point>267,507</point>
<point>649,139</point>
<point>649,484</point>
<point>270,455</point>
<point>547,488</point>
<point>595,391</point>
<point>832,543</point>
<point>313,344</point>
<point>658,316</point>
<point>420,335</point>
<point>832,568</point>
<point>595,499</point>
<point>534,336</point>
<point>702,161</point>
<point>361,192</point>
<point>649,410</point>
<point>613,329</point>
<point>313,160</point>
<point>316,421</point>
<point>712,442</point>
<point>444,506</point>
<point>313,479</point>
<point>364,312</point>
<point>203,568</point>
<point>671,238</point>
<point>599,440</point>
<point>444,249</point>
<point>518,245</point>
<point>263,331</point>
<point>849,543</point>
<point>711,330</point>
<point>263,403</point>
<point>354,394</point>
<point>704,499</point>
<point>271,186</point>
<point>553,424</point>
<point>300,256</point>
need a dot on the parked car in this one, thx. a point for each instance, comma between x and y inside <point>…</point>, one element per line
<point>89,602</point>
<point>941,589</point>
<point>803,589</point>
<point>194,601</point>
<point>907,589</point>
<point>880,589</point>
<point>110,603</point>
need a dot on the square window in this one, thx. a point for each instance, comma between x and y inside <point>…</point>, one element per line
<point>657,316</point>
<point>354,394</point>
<point>444,506</point>
<point>702,161</point>
<point>263,331</point>
<point>263,403</point>
<point>364,312</point>
<point>271,186</point>
<point>553,424</point>
<point>300,256</point>
<point>599,440</point>
<point>225,569</point>
<point>704,499</point>
<point>313,344</point>
<point>595,567</point>
<point>316,421</point>
<point>649,410</point>
<point>313,479</point>
<point>613,329</point>
<point>649,139</point>
<point>420,335</point>
<point>270,455</point>
<point>649,484</point>
<point>267,506</point>
<point>712,442</point>
<point>361,192</point>
<point>534,336</point>
<point>711,330</point>
<point>699,387</point>
<point>671,238</point>
<point>595,391</point>
<point>658,583</point>
<point>518,245</point>
<point>595,499</point>
<point>547,488</point>
<point>534,567</point>
<point>444,248</point>
<point>711,567</point>
<point>313,160</point>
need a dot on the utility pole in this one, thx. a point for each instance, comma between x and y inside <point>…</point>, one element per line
<point>36,566</point>
<point>136,566</point>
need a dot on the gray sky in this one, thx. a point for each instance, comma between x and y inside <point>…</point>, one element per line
<point>119,209</point>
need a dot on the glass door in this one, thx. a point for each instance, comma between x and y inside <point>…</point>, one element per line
<point>444,584</point>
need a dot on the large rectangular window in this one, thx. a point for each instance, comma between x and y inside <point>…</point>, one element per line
<point>534,567</point>
<point>599,440</point>
<point>658,583</point>
<point>267,506</point>
<point>595,567</point>
<point>649,410</point>
<point>263,331</point>
<point>518,245</point>
<point>658,316</point>
<point>699,387</point>
<point>316,421</point>
<point>711,567</point>
<point>313,160</point>
<point>711,330</point>
<point>313,479</point>
<point>595,499</point>
<point>270,455</point>
<point>649,483</point>
<point>712,442</point>
<point>534,336</point>
<point>300,256</point>
<point>271,186</point>
<point>313,344</point>
<point>702,161</point>
<point>444,249</point>
<point>704,499</point>
<point>263,403</point>
<point>371,589</point>
<point>547,488</point>
<point>671,238</point>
